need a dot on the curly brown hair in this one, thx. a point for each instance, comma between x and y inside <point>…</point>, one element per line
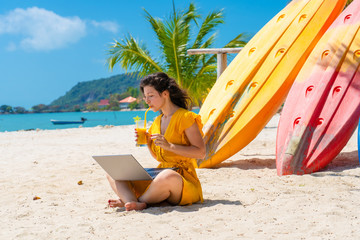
<point>161,82</point>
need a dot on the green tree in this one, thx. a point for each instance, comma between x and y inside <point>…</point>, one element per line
<point>19,110</point>
<point>134,92</point>
<point>114,102</point>
<point>55,108</point>
<point>6,109</point>
<point>123,95</point>
<point>134,105</point>
<point>76,108</point>
<point>195,73</point>
<point>40,108</point>
<point>92,106</point>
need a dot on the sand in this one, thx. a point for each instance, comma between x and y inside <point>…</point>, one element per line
<point>244,197</point>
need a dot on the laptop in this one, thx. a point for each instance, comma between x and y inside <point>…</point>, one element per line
<point>126,168</point>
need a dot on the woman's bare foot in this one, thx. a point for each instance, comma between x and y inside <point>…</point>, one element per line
<point>115,203</point>
<point>135,206</point>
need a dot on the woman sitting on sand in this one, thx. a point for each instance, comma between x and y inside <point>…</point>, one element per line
<point>175,140</point>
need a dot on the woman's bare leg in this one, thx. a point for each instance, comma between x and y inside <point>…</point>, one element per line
<point>166,186</point>
<point>114,202</point>
<point>122,189</point>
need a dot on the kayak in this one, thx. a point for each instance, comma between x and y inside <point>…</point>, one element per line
<point>256,83</point>
<point>323,107</point>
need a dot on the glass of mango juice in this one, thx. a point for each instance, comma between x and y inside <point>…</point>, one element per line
<point>141,131</point>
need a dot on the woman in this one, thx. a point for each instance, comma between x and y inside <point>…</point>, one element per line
<point>175,140</point>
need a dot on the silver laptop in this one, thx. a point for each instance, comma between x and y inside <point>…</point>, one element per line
<point>126,168</point>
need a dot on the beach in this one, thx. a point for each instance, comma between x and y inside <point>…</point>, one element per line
<point>243,196</point>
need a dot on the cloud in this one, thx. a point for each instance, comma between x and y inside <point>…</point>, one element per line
<point>41,29</point>
<point>106,25</point>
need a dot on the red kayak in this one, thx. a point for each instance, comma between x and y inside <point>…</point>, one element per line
<point>322,109</point>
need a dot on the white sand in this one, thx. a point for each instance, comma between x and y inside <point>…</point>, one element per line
<point>244,197</point>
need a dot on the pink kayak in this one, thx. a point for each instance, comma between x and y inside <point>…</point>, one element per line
<point>322,109</point>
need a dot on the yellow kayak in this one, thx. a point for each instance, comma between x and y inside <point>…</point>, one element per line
<point>255,84</point>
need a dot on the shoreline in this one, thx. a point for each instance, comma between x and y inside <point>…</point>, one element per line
<point>16,122</point>
<point>244,197</point>
<point>121,110</point>
<point>42,121</point>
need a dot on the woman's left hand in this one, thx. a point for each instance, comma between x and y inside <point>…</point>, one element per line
<point>159,140</point>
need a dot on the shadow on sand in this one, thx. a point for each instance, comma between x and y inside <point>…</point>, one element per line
<point>344,161</point>
<point>247,164</point>
<point>207,203</point>
<point>166,208</point>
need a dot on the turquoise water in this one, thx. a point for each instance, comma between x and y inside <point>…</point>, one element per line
<point>15,122</point>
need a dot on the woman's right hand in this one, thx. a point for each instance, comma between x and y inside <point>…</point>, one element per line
<point>148,138</point>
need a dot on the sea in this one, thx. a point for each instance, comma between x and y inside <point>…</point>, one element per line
<point>34,121</point>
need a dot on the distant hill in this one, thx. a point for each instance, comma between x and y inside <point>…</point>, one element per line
<point>90,91</point>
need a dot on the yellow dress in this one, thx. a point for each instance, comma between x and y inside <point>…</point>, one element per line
<point>175,133</point>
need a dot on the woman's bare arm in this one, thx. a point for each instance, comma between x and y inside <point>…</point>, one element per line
<point>196,149</point>
<point>149,142</point>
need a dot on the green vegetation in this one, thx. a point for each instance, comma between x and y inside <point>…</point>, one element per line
<point>86,96</point>
<point>6,109</point>
<point>195,73</point>
<point>93,91</point>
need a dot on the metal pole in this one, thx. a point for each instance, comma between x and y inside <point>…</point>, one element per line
<point>221,63</point>
<point>221,56</point>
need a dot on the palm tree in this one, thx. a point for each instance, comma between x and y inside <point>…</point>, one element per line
<point>195,73</point>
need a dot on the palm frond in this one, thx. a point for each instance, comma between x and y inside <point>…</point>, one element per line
<point>200,86</point>
<point>158,26</point>
<point>209,71</point>
<point>178,37</point>
<point>239,41</point>
<point>211,21</point>
<point>130,54</point>
<point>195,73</point>
<point>199,61</point>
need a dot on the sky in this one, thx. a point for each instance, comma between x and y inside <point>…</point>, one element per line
<point>48,46</point>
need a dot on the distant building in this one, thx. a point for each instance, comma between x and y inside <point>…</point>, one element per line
<point>103,103</point>
<point>124,103</point>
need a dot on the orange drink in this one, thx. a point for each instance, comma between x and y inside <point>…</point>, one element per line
<point>141,132</point>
